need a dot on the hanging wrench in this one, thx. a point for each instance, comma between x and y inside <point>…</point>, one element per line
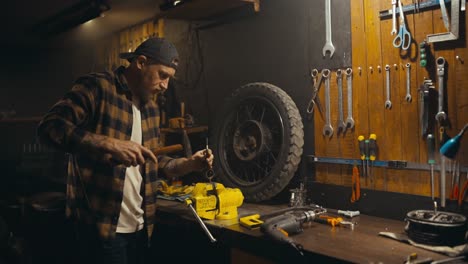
<point>327,128</point>
<point>328,47</point>
<point>394,31</point>
<point>388,103</point>
<point>341,125</point>
<point>408,82</point>
<point>440,74</point>
<point>349,119</point>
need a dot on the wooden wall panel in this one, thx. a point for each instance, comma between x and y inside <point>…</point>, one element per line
<point>127,40</point>
<point>398,129</point>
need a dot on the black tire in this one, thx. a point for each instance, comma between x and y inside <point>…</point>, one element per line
<point>258,141</point>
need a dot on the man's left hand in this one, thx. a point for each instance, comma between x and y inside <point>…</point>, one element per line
<point>202,160</point>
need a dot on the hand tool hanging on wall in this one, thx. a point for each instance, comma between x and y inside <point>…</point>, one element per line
<point>441,116</point>
<point>315,100</point>
<point>349,78</point>
<point>388,103</point>
<point>394,30</point>
<point>372,155</point>
<point>442,180</point>
<point>454,23</point>
<point>366,151</point>
<point>327,128</point>
<point>455,182</point>
<point>328,47</point>
<point>341,124</point>
<point>403,38</point>
<point>422,54</point>
<point>355,185</point>
<point>445,18</point>
<point>431,159</point>
<point>408,97</point>
<point>463,191</point>
<point>362,152</point>
<point>426,97</point>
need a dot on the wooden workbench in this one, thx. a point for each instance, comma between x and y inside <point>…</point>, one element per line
<point>321,242</point>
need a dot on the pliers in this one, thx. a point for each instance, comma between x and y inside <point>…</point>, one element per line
<point>356,185</point>
<point>315,101</point>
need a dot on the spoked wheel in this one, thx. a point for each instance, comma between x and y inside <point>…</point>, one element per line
<point>258,141</point>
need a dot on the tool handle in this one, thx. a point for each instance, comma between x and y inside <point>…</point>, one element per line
<point>430,149</point>
<point>362,148</point>
<point>462,193</point>
<point>366,148</point>
<point>200,221</point>
<point>372,146</point>
<point>168,149</point>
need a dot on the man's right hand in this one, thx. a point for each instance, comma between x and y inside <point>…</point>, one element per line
<point>127,153</point>
<point>115,151</point>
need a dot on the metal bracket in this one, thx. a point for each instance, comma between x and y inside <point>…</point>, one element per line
<point>454,25</point>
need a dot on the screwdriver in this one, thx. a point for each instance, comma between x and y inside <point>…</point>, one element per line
<point>362,150</point>
<point>431,159</point>
<point>372,154</point>
<point>209,173</point>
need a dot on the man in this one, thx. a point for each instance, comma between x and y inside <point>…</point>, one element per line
<point>110,125</point>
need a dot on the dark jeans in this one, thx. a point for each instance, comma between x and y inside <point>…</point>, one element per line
<point>128,248</point>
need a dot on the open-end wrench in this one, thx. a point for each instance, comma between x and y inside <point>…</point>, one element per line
<point>388,103</point>
<point>349,79</point>
<point>440,116</point>
<point>327,128</point>
<point>394,31</point>
<point>339,79</point>
<point>408,82</point>
<point>328,47</point>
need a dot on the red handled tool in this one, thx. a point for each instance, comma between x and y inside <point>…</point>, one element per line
<point>356,185</point>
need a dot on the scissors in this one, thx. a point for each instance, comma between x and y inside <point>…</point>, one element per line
<point>315,100</point>
<point>403,38</point>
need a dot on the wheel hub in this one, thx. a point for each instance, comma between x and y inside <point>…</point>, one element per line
<point>251,139</point>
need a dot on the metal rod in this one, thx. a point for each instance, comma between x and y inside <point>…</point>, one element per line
<point>200,221</point>
<point>391,164</point>
<point>422,6</point>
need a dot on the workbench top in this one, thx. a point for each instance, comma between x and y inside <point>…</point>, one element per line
<point>360,245</point>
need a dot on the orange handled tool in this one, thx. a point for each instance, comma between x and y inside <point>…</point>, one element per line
<point>356,185</point>
<point>325,219</point>
<point>462,191</point>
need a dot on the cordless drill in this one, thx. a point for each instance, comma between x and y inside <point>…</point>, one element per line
<point>280,227</point>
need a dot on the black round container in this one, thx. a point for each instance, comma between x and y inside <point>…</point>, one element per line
<point>436,228</point>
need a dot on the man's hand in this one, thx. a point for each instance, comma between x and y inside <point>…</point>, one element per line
<point>202,159</point>
<point>128,153</point>
<point>115,151</point>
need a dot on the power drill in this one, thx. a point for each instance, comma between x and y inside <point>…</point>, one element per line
<point>280,227</point>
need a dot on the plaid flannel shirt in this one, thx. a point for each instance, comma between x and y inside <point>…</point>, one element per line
<point>100,103</point>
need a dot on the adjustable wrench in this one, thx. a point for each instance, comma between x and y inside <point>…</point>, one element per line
<point>327,128</point>
<point>328,47</point>
<point>349,78</point>
<point>341,125</point>
<point>408,82</point>
<point>394,31</point>
<point>440,116</point>
<point>388,103</point>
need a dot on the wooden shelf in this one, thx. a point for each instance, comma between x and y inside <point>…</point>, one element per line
<point>200,9</point>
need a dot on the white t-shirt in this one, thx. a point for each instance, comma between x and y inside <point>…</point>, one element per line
<point>131,214</point>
